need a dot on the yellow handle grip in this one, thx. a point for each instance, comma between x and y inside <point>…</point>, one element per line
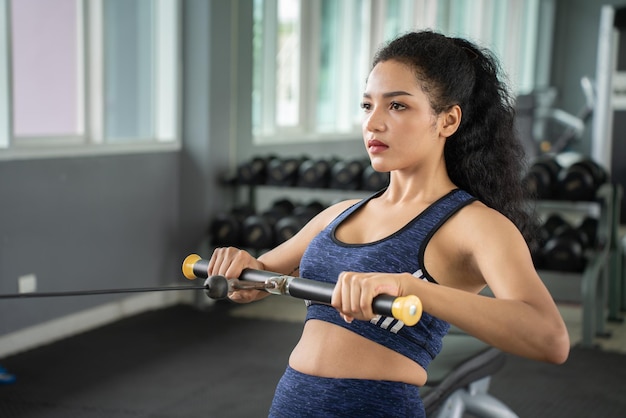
<point>407,309</point>
<point>188,266</point>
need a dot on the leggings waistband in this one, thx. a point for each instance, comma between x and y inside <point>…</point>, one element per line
<point>301,395</point>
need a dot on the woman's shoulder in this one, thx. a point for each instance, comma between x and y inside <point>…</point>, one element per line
<point>478,221</point>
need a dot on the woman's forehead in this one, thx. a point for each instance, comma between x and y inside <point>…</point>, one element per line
<point>389,76</point>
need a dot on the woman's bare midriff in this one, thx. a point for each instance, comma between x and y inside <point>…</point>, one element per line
<point>327,350</point>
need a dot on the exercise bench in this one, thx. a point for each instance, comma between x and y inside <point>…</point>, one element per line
<point>459,378</point>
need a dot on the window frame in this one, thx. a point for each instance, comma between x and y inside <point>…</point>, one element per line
<point>167,107</point>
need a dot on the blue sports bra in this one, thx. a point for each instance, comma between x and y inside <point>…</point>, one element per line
<point>403,251</point>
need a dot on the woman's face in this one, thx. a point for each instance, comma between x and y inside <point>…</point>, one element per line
<point>400,129</point>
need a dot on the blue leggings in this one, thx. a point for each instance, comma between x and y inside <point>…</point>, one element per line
<point>300,395</point>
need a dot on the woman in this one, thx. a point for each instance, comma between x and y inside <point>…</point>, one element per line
<point>450,223</point>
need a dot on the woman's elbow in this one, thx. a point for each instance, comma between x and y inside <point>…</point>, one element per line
<point>557,347</point>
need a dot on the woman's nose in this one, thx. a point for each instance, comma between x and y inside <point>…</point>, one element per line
<point>374,121</point>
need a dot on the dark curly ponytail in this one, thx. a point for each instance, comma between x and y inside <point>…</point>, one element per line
<point>484,156</point>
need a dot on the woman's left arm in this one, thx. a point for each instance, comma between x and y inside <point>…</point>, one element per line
<point>522,318</point>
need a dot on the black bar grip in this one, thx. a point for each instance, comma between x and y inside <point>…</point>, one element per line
<point>311,289</point>
<point>322,292</point>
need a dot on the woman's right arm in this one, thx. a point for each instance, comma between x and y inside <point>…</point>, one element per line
<point>284,259</point>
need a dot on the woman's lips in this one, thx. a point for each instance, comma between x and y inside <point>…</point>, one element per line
<point>375,146</point>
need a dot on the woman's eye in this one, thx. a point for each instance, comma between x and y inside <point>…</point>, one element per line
<point>397,106</point>
<point>365,106</point>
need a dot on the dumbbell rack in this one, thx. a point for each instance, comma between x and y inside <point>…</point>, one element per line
<point>601,282</point>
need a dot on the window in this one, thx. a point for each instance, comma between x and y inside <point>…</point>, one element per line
<point>309,73</point>
<point>85,75</point>
<point>45,63</point>
<point>298,90</point>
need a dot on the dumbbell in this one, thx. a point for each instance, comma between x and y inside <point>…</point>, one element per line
<point>580,180</point>
<point>374,180</point>
<point>283,171</point>
<point>315,173</point>
<point>288,226</point>
<point>565,249</point>
<point>589,230</point>
<point>254,171</point>
<point>347,174</point>
<point>306,212</point>
<point>225,229</point>
<point>545,233</point>
<point>552,223</point>
<point>258,230</point>
<point>541,179</point>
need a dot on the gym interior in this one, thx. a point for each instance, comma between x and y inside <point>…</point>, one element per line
<point>154,130</point>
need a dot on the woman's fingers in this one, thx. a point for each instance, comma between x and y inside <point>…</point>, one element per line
<point>353,296</point>
<point>230,262</point>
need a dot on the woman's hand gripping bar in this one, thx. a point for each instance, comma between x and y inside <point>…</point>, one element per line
<point>407,309</point>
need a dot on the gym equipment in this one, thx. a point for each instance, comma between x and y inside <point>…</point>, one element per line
<point>374,180</point>
<point>407,309</point>
<point>564,176</point>
<point>574,124</point>
<point>596,284</point>
<point>545,233</point>
<point>580,180</point>
<point>279,209</point>
<point>315,173</point>
<point>286,228</point>
<point>564,246</point>
<point>459,378</point>
<point>308,211</point>
<point>347,174</point>
<point>544,129</point>
<point>588,229</point>
<point>289,225</point>
<point>254,171</point>
<point>541,179</point>
<point>283,171</point>
<point>98,292</point>
<point>258,230</point>
<point>226,228</point>
<point>564,252</point>
<point>552,223</point>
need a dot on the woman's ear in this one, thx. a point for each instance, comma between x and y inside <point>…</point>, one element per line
<point>451,119</point>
